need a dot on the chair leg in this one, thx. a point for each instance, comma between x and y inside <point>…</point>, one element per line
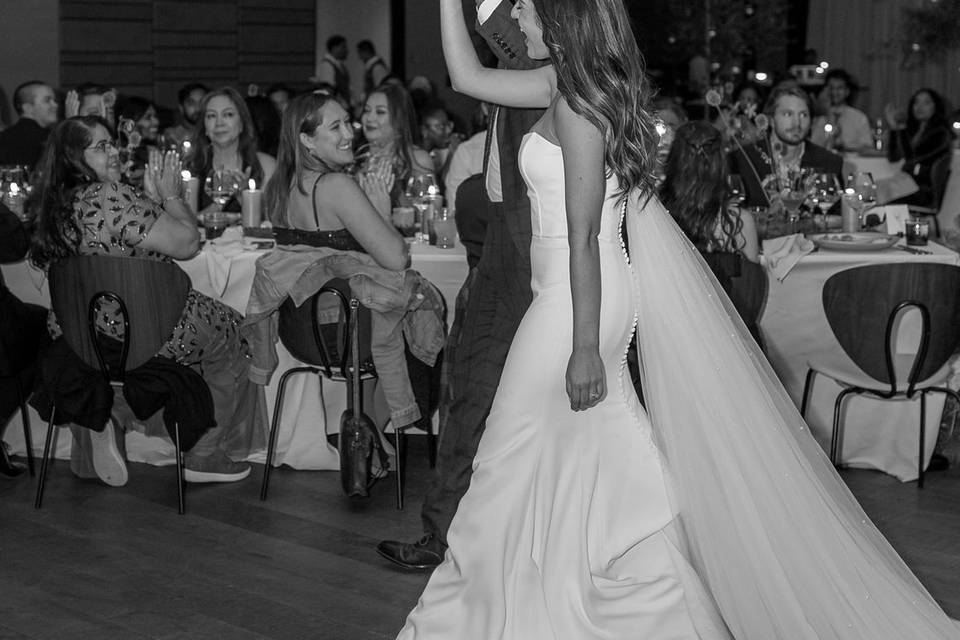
<point>46,458</point>
<point>178,456</point>
<point>923,428</point>
<point>806,393</point>
<point>836,437</point>
<point>25,419</point>
<point>398,439</point>
<point>275,425</point>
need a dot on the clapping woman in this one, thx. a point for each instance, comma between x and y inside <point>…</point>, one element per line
<point>225,140</point>
<point>82,208</point>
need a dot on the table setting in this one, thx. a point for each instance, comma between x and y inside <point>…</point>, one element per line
<point>800,255</point>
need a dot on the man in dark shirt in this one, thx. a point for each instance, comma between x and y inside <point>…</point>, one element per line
<point>36,104</point>
<point>785,148</point>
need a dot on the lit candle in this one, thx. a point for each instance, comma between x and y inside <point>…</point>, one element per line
<point>250,205</point>
<point>191,193</point>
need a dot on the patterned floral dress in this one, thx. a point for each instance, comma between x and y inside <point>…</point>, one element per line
<point>113,220</point>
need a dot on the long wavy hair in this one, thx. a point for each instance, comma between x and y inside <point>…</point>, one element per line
<point>403,117</point>
<point>61,173</point>
<point>695,189</point>
<point>200,160</point>
<point>294,160</point>
<point>601,75</point>
<point>937,120</point>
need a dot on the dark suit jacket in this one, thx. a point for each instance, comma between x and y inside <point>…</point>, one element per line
<point>505,40</point>
<point>814,157</point>
<point>918,156</point>
<point>22,143</point>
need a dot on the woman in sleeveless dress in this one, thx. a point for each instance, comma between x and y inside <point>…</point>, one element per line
<point>581,520</point>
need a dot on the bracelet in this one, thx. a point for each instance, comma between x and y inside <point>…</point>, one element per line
<point>163,203</point>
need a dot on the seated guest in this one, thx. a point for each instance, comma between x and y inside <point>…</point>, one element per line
<point>189,98</point>
<point>696,193</point>
<point>766,164</point>
<point>279,96</point>
<point>467,160</point>
<point>90,99</point>
<point>439,139</point>
<point>225,139</point>
<point>36,104</point>
<point>920,142</point>
<point>266,123</point>
<point>329,226</point>
<point>391,138</point>
<point>849,127</point>
<point>23,333</point>
<point>138,130</point>
<point>82,208</point>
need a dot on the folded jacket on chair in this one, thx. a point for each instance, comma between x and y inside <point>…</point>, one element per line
<point>83,397</point>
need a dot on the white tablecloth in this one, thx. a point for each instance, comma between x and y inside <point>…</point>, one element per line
<point>879,434</point>
<point>310,408</point>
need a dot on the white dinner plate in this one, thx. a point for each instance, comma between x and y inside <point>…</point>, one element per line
<point>853,241</point>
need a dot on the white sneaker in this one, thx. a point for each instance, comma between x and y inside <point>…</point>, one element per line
<point>107,461</point>
<point>216,467</point>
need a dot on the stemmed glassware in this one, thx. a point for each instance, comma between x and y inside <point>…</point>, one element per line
<point>824,191</point>
<point>866,190</point>
<point>221,185</point>
<point>420,189</point>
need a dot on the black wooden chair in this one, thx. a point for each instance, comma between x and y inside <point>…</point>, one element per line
<point>151,296</point>
<point>864,306</point>
<point>939,177</point>
<point>325,350</point>
<point>9,375</point>
<point>746,283</point>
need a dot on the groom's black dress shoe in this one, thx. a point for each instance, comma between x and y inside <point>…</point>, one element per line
<point>425,553</point>
<point>938,462</point>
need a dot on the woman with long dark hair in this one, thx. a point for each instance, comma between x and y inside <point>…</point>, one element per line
<point>80,207</point>
<point>923,140</point>
<point>696,193</point>
<point>225,139</point>
<point>391,137</point>
<point>718,515</point>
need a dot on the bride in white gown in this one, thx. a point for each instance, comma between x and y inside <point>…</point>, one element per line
<point>716,517</point>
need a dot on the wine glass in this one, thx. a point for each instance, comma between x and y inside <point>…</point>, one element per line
<point>221,185</point>
<point>421,189</point>
<point>824,191</point>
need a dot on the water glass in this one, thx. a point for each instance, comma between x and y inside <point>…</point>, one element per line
<point>444,229</point>
<point>214,224</point>
<point>917,232</point>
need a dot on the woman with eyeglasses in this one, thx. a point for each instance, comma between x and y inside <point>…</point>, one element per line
<point>81,207</point>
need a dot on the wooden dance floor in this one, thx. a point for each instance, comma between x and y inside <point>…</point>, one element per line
<point>106,563</point>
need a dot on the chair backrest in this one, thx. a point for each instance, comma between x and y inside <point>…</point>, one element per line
<point>152,295</point>
<point>325,344</point>
<point>939,176</point>
<point>863,305</point>
<point>471,218</point>
<point>745,282</point>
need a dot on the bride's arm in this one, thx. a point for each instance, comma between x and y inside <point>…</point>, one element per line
<point>584,187</point>
<point>526,89</point>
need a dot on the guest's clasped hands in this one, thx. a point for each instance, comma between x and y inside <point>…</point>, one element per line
<point>377,182</point>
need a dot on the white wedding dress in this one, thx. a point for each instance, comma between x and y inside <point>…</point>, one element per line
<point>577,526</point>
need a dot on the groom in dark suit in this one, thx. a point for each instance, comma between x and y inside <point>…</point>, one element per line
<point>489,307</point>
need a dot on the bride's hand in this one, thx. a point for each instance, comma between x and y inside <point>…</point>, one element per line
<point>586,384</point>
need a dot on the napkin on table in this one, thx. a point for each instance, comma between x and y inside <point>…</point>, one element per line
<point>896,215</point>
<point>220,254</point>
<point>782,254</point>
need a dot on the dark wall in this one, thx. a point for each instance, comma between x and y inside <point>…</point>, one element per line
<point>152,47</point>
